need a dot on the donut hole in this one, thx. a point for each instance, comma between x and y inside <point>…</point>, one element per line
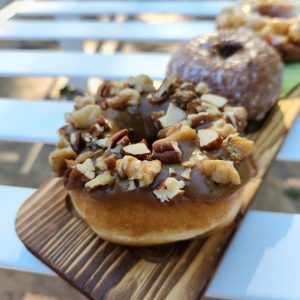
<point>225,50</point>
<point>277,11</point>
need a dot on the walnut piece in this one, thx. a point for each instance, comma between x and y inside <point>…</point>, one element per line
<point>220,171</point>
<point>87,168</point>
<point>142,83</point>
<point>144,171</point>
<point>58,160</point>
<point>173,115</point>
<point>84,117</point>
<point>105,178</point>
<point>209,139</point>
<point>168,189</point>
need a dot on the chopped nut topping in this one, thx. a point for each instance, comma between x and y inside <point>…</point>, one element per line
<point>201,88</point>
<point>173,115</point>
<point>215,100</point>
<point>172,172</point>
<point>164,90</point>
<point>87,168</point>
<point>58,160</point>
<point>131,185</point>
<point>73,178</point>
<point>182,98</point>
<point>201,118</point>
<point>77,141</point>
<point>224,129</point>
<point>84,117</point>
<point>210,108</point>
<point>143,171</point>
<point>139,150</point>
<point>62,143</point>
<point>188,86</point>
<point>184,133</point>
<point>118,136</point>
<point>124,141</point>
<point>237,147</point>
<point>237,116</point>
<point>168,189</point>
<point>220,171</point>
<point>194,106</point>
<point>102,179</point>
<point>142,83</point>
<point>81,101</point>
<point>66,130</point>
<point>157,114</point>
<point>166,151</point>
<point>209,139</point>
<point>107,163</point>
<point>186,174</point>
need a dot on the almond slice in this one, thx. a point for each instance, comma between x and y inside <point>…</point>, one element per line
<point>139,150</point>
<point>209,139</point>
<point>215,100</point>
<point>173,115</point>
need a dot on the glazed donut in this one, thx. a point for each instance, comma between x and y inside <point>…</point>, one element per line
<point>278,22</point>
<point>235,64</point>
<point>146,166</point>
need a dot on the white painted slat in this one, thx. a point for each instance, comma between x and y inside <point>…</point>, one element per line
<point>126,31</point>
<point>51,63</point>
<point>262,261</point>
<point>47,116</point>
<point>46,8</point>
<point>43,118</point>
<point>13,254</point>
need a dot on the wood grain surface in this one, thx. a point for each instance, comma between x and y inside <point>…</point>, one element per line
<point>49,229</point>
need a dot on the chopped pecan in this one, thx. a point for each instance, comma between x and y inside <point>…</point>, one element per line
<point>107,163</point>
<point>168,189</point>
<point>103,179</point>
<point>84,117</point>
<point>237,147</point>
<point>139,150</point>
<point>73,178</point>
<point>209,139</point>
<point>187,86</point>
<point>172,172</point>
<point>194,106</point>
<point>66,130</point>
<point>215,100</point>
<point>220,171</point>
<point>201,118</point>
<point>96,130</point>
<point>125,97</point>
<point>77,141</point>
<point>142,83</point>
<point>173,115</point>
<point>81,101</point>
<point>144,171</point>
<point>182,98</point>
<point>164,91</point>
<point>237,116</point>
<point>224,129</point>
<point>166,151</point>
<point>185,132</point>
<point>201,88</point>
<point>87,168</point>
<point>58,160</point>
<point>124,141</point>
<point>186,174</point>
<point>62,143</point>
<point>118,136</point>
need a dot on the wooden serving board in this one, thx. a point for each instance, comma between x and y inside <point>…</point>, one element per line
<point>103,270</point>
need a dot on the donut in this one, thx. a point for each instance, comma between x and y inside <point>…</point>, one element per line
<point>147,166</point>
<point>277,22</point>
<point>235,64</point>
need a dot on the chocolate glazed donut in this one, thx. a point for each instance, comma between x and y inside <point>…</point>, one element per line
<point>236,64</point>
